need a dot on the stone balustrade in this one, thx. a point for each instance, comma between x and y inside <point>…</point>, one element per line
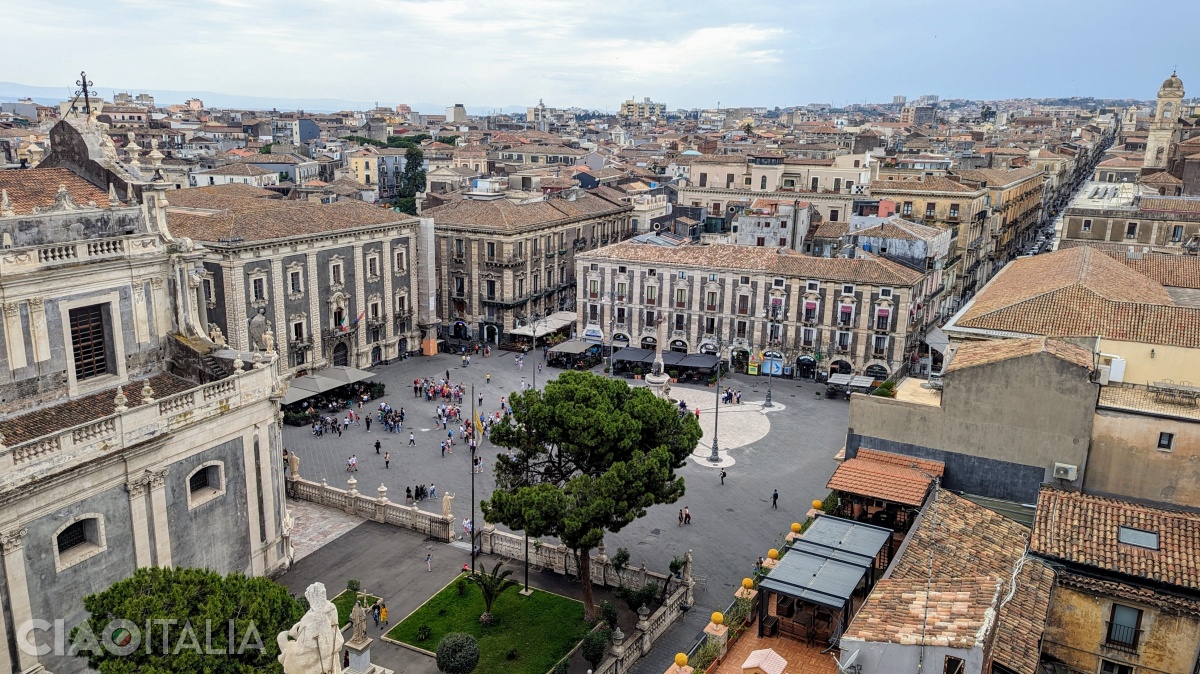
<point>34,258</point>
<point>35,458</point>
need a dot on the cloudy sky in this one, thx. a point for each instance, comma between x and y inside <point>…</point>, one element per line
<point>595,53</point>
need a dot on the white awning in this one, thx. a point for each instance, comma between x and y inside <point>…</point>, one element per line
<point>937,340</point>
<point>544,326</point>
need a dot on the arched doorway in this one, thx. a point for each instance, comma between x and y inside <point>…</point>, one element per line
<point>679,346</point>
<point>490,334</point>
<point>738,359</point>
<point>840,367</point>
<point>649,343</point>
<point>876,371</point>
<point>460,330</point>
<point>709,348</point>
<point>376,355</point>
<point>806,367</point>
<point>341,354</point>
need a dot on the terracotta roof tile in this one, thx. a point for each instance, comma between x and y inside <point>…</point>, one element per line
<point>504,214</point>
<point>1170,204</point>
<point>974,353</point>
<point>41,422</point>
<point>928,184</point>
<point>766,260</point>
<point>1083,529</point>
<point>947,612</point>
<point>32,188</point>
<point>883,479</point>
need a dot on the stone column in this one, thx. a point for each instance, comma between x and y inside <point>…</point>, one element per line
<point>18,588</point>
<point>141,322</point>
<point>235,303</point>
<point>139,522</point>
<point>38,331</point>
<point>362,355</point>
<point>316,318</point>
<point>279,298</point>
<point>14,336</point>
<point>387,267</point>
<point>158,507</point>
<point>162,319</point>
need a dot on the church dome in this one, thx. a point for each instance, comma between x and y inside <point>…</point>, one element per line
<point>1172,83</point>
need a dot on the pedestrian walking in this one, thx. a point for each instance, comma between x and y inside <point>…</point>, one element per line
<point>681,517</point>
<point>443,449</point>
<point>349,465</point>
<point>383,613</point>
<point>412,441</point>
<point>368,420</point>
<point>408,495</point>
<point>428,564</point>
<point>432,490</point>
<point>354,460</point>
<point>387,460</point>
<point>722,476</point>
<point>489,378</point>
<point>775,499</point>
<point>687,515</point>
<point>481,400</point>
<point>375,615</point>
<point>377,446</point>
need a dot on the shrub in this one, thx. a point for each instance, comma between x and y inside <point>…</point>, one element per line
<point>608,613</point>
<point>637,598</point>
<point>595,644</point>
<point>457,653</point>
<point>563,667</point>
<point>887,389</point>
<point>830,503</point>
<point>677,564</point>
<point>353,585</point>
<point>706,654</point>
<point>511,654</point>
<point>424,632</point>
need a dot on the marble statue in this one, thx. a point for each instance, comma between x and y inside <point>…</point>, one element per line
<point>269,341</point>
<point>312,646</point>
<point>358,620</point>
<point>215,334</point>
<point>259,326</point>
<point>294,465</point>
<point>447,501</point>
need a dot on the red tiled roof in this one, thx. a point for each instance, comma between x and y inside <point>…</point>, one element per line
<point>33,188</point>
<point>886,476</point>
<point>975,352</point>
<point>1083,529</point>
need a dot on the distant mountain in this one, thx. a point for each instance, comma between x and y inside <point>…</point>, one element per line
<point>11,91</point>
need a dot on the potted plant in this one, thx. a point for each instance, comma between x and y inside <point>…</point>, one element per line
<point>712,380</point>
<point>674,374</point>
<point>638,372</point>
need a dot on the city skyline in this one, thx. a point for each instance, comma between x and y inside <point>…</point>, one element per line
<point>491,55</point>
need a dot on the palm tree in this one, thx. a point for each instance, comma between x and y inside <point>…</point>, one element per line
<point>492,585</point>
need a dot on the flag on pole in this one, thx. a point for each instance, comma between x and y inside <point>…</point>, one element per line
<point>344,325</point>
<point>360,316</point>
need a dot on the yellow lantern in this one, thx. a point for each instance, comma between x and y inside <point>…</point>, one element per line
<point>817,504</point>
<point>717,618</point>
<point>773,553</point>
<point>747,584</point>
<point>681,659</point>
<point>795,527</point>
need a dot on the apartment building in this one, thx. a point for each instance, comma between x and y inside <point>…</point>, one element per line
<point>774,223</point>
<point>642,110</point>
<point>847,315</point>
<point>504,257</point>
<point>963,210</point>
<point>1015,200</point>
<point>1122,214</point>
<point>334,280</point>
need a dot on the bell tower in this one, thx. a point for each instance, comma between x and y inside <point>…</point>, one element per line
<point>1164,127</point>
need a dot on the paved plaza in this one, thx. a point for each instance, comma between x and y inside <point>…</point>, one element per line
<point>789,447</point>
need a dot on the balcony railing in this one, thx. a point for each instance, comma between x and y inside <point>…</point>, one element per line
<point>1122,637</point>
<point>509,261</point>
<point>24,260</point>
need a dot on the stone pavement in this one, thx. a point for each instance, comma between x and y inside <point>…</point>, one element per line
<point>789,449</point>
<point>316,526</point>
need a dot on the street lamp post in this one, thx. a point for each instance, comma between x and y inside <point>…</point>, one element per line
<point>772,320</point>
<point>715,457</point>
<point>611,296</point>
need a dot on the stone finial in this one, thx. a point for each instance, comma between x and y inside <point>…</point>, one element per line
<point>6,209</point>
<point>643,621</point>
<point>113,201</point>
<point>147,393</point>
<point>382,491</point>
<point>120,400</point>
<point>352,487</point>
<point>238,363</point>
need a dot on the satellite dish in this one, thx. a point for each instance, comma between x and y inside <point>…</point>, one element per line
<point>844,667</point>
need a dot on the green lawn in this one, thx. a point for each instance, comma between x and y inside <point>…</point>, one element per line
<point>542,628</point>
<point>345,602</point>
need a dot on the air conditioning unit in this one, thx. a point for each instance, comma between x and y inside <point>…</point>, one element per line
<point>1103,375</point>
<point>1065,471</point>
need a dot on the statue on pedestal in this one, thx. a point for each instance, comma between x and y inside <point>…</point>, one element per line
<point>294,465</point>
<point>447,501</point>
<point>358,621</point>
<point>259,326</point>
<point>312,645</point>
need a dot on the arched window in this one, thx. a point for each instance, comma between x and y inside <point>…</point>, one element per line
<point>205,483</point>
<point>79,539</point>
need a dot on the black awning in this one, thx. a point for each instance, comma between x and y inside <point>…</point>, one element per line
<point>825,565</point>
